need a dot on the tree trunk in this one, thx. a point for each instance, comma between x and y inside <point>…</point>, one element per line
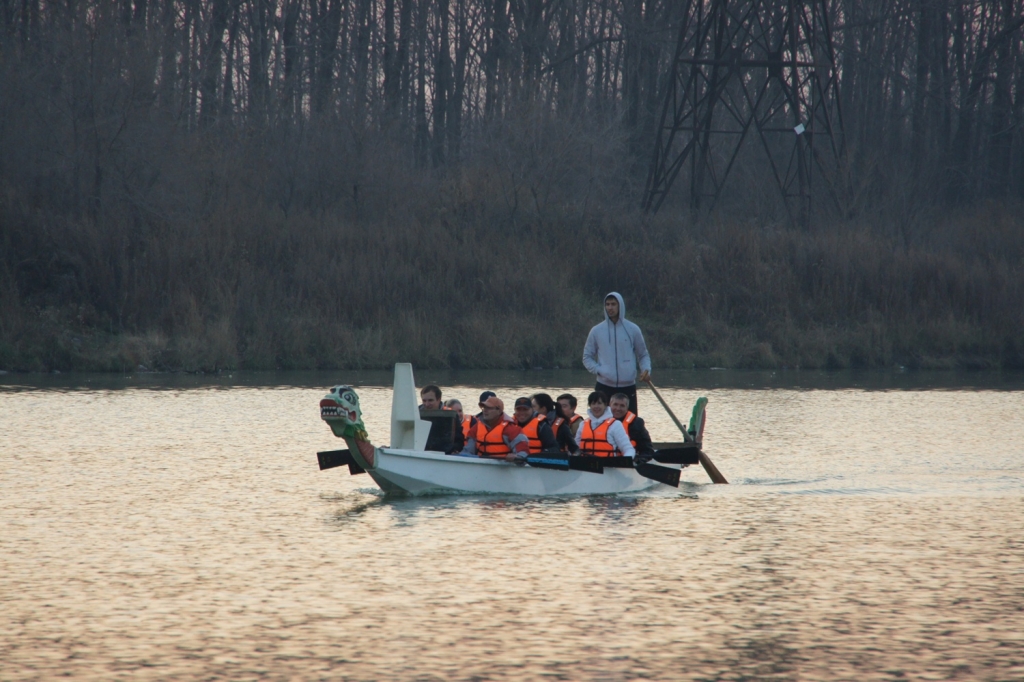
<point>442,83</point>
<point>1000,146</point>
<point>455,102</point>
<point>422,143</point>
<point>289,38</point>
<point>327,50</point>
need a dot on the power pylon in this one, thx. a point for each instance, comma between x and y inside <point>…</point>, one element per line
<point>750,71</point>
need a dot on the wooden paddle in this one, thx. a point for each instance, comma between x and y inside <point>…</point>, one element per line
<point>713,472</point>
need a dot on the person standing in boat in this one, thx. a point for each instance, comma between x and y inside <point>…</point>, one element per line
<point>601,434</point>
<point>613,350</point>
<point>552,412</point>
<point>495,438</point>
<point>567,403</point>
<point>639,437</point>
<point>535,426</point>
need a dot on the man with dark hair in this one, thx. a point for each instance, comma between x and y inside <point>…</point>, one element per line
<point>431,397</point>
<point>551,411</point>
<point>567,402</point>
<point>601,435</point>
<point>639,438</point>
<point>613,350</point>
<point>445,433</point>
<point>535,427</point>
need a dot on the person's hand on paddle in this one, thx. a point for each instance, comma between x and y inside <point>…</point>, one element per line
<point>645,376</point>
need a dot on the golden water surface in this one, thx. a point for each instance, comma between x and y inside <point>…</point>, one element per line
<point>179,533</point>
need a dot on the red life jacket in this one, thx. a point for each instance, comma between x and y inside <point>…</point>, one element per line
<point>626,421</point>
<point>490,442</point>
<point>595,441</point>
<point>531,429</point>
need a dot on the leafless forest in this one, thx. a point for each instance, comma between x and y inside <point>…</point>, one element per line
<point>210,184</point>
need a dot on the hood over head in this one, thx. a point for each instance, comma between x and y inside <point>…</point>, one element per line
<point>622,305</point>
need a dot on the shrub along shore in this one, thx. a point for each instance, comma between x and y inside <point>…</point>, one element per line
<point>450,279</point>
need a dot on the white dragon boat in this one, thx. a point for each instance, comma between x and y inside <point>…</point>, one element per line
<point>407,467</point>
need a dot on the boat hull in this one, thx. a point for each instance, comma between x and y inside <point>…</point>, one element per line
<point>423,472</point>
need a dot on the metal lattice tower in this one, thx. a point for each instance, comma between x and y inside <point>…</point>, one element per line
<point>750,71</point>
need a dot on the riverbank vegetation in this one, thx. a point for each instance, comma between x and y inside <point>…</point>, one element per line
<point>203,184</point>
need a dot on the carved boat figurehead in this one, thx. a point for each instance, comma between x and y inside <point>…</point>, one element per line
<point>340,409</point>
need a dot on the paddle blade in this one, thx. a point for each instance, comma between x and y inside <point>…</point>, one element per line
<point>659,474</point>
<point>617,462</point>
<point>549,462</point>
<point>685,455</point>
<point>337,458</point>
<point>591,464</point>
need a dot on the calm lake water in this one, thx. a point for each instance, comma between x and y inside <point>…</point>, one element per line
<point>168,527</point>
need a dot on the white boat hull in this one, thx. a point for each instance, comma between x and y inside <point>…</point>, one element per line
<point>422,472</point>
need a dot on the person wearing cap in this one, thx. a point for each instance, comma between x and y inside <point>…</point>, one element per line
<point>601,434</point>
<point>495,438</point>
<point>535,426</point>
<point>567,403</point>
<point>483,397</point>
<point>639,437</point>
<point>613,350</point>
<point>552,412</point>
<point>468,422</point>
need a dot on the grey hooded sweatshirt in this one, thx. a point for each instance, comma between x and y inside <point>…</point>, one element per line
<point>614,349</point>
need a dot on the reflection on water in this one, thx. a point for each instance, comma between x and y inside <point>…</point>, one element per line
<point>160,531</point>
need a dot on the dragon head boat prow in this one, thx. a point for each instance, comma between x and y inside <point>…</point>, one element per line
<point>340,409</point>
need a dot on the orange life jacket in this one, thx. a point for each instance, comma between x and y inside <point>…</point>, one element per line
<point>467,422</point>
<point>490,442</point>
<point>555,425</point>
<point>531,430</point>
<point>595,441</point>
<point>572,424</point>
<point>626,421</point>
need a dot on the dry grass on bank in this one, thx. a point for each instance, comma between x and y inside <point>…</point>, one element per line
<point>456,280</point>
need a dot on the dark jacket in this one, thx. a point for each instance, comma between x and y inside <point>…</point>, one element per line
<point>565,437</point>
<point>638,434</point>
<point>445,434</point>
<point>547,439</point>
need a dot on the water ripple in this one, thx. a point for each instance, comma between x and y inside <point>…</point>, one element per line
<point>179,533</point>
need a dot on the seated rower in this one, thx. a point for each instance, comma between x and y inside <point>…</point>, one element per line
<point>567,401</point>
<point>639,438</point>
<point>495,438</point>
<point>601,435</point>
<point>468,422</point>
<point>443,437</point>
<point>535,426</point>
<point>551,410</point>
<point>483,397</point>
